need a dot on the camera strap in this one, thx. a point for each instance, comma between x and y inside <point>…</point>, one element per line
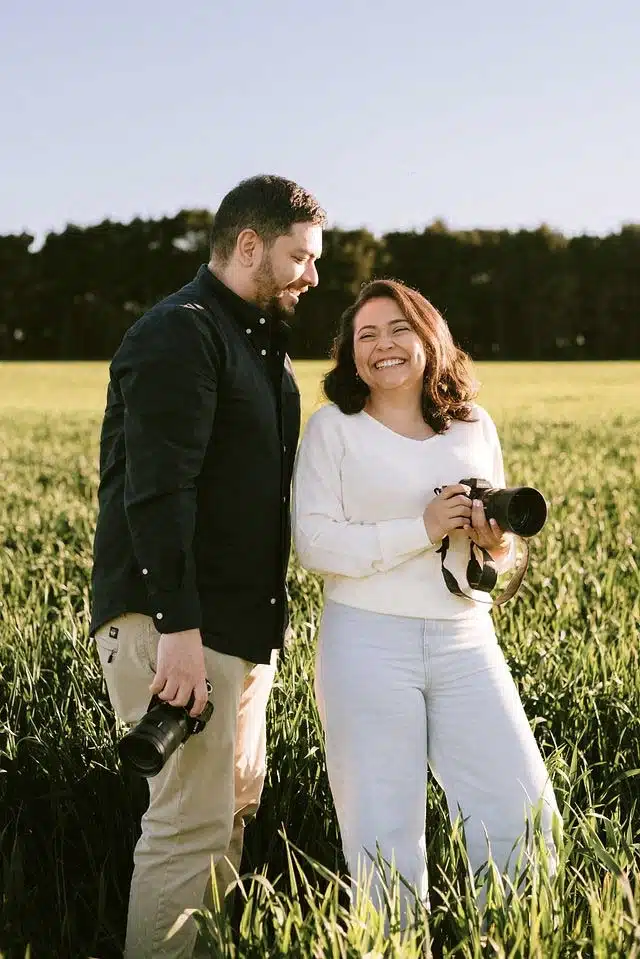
<point>484,576</point>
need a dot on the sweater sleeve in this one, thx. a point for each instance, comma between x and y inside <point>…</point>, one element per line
<point>326,542</point>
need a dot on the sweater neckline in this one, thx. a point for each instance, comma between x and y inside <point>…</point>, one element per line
<point>401,436</point>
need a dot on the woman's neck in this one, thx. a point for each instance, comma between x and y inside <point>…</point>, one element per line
<point>402,413</point>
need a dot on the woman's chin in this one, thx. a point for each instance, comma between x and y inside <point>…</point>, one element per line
<point>390,383</point>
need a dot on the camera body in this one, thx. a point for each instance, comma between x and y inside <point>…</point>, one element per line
<point>518,509</point>
<point>145,748</point>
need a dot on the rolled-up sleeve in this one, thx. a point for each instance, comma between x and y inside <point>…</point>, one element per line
<point>325,541</point>
<point>168,373</point>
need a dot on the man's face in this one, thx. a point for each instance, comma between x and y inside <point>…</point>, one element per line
<point>288,268</point>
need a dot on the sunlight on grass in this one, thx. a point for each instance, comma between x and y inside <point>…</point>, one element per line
<point>554,392</point>
<point>68,815</point>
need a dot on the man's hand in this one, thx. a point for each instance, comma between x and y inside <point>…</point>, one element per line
<point>181,670</point>
<point>450,510</point>
<point>488,535</point>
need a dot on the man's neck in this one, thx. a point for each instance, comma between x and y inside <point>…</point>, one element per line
<point>231,280</point>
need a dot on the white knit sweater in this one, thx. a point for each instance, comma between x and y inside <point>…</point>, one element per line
<point>360,490</point>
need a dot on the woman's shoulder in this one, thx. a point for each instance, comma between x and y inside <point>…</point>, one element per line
<point>325,422</point>
<point>479,413</point>
<point>482,419</point>
<point>328,416</point>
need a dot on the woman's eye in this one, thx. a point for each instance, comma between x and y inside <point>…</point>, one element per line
<point>401,329</point>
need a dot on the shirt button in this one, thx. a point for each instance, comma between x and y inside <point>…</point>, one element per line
<point>247,331</point>
<point>262,320</point>
<point>158,615</point>
<point>264,352</point>
<point>273,601</point>
<point>144,572</point>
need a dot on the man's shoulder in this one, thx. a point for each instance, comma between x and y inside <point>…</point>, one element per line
<point>173,305</point>
<point>177,313</point>
<point>176,330</point>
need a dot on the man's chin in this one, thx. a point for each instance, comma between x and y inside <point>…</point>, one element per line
<point>284,304</point>
<point>288,301</point>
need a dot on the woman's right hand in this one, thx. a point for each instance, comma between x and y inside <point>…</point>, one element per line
<point>451,509</point>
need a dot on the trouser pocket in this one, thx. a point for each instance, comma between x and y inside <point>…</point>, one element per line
<point>124,647</point>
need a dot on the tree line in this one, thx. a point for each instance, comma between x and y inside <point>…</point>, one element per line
<point>525,295</point>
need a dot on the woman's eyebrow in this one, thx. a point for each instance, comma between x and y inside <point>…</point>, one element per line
<point>372,326</point>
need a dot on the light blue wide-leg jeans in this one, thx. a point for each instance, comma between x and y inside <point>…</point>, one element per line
<point>397,695</point>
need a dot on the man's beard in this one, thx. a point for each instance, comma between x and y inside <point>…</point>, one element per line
<point>267,295</point>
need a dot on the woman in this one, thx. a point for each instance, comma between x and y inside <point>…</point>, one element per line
<point>409,675</point>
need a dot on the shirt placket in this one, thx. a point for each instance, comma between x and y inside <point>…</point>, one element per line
<point>270,346</point>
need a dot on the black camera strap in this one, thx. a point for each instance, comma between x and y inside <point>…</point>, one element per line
<point>483,576</point>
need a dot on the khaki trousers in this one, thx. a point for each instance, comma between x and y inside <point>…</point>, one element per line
<point>199,801</point>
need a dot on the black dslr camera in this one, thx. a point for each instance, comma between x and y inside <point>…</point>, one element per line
<point>145,749</point>
<point>519,509</point>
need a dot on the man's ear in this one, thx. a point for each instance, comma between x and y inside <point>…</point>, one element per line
<point>249,248</point>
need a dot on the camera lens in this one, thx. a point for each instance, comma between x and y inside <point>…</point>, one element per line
<point>520,509</point>
<point>527,511</point>
<point>146,748</point>
<point>143,756</point>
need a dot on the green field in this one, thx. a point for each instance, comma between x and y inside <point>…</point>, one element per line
<point>545,391</point>
<point>68,815</point>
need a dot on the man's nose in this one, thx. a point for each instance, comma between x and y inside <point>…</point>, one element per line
<point>310,275</point>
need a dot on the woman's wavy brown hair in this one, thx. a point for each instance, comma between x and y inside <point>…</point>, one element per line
<point>449,385</point>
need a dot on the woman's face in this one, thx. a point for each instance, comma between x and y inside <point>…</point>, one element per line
<point>389,354</point>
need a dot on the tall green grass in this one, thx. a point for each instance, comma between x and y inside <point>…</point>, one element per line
<point>68,815</point>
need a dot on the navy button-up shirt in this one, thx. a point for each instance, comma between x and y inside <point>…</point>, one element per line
<point>196,456</point>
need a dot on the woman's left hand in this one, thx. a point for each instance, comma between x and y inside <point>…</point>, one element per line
<point>487,533</point>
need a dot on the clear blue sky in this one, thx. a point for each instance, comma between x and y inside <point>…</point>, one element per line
<point>394,112</point>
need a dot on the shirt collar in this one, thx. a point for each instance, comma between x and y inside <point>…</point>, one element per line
<point>241,309</point>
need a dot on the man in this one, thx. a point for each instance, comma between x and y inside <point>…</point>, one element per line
<point>193,536</point>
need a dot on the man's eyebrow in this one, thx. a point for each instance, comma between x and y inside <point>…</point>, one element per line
<point>302,251</point>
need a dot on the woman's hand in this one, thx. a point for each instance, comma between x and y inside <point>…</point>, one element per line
<point>451,509</point>
<point>487,533</point>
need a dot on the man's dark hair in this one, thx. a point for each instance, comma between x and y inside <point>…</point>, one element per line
<point>270,205</point>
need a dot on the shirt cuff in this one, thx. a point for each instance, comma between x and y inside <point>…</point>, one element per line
<point>399,537</point>
<point>176,610</point>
